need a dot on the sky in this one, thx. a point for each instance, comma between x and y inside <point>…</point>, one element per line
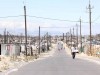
<point>71,10</point>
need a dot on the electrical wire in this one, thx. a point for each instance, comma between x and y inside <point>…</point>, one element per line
<point>53,19</point>
<point>57,27</point>
<point>42,18</point>
<point>11,16</point>
<point>96,18</point>
<point>56,19</point>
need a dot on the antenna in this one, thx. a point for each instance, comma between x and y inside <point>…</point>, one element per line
<point>24,2</point>
<point>89,1</point>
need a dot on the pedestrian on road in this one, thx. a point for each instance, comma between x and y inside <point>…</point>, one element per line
<point>73,51</point>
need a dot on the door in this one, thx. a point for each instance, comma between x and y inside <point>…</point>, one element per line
<point>0,49</point>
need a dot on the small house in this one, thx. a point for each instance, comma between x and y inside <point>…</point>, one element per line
<point>9,49</point>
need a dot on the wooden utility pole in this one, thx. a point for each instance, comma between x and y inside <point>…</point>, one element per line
<point>5,36</point>
<point>39,41</point>
<point>90,24</point>
<point>63,36</point>
<point>77,34</point>
<point>47,42</point>
<point>50,40</point>
<point>25,30</point>
<point>80,35</point>
<point>71,36</point>
<point>66,37</point>
<point>21,38</point>
<point>73,31</point>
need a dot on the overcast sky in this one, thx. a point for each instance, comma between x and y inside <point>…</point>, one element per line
<point>55,9</point>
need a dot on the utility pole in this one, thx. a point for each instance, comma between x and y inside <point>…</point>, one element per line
<point>50,40</point>
<point>66,37</point>
<point>77,34</point>
<point>5,36</point>
<point>73,31</point>
<point>39,40</point>
<point>71,36</point>
<point>63,36</point>
<point>80,35</point>
<point>25,30</point>
<point>47,42</point>
<point>21,38</point>
<point>90,24</point>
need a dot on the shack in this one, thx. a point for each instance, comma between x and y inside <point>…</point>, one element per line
<point>9,49</point>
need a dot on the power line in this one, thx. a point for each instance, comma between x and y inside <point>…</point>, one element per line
<point>57,27</point>
<point>11,16</point>
<point>42,18</point>
<point>96,18</point>
<point>53,19</point>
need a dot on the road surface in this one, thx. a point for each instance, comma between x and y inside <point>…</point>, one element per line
<point>59,64</point>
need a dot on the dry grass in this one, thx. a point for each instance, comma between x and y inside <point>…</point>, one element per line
<point>7,62</point>
<point>94,50</point>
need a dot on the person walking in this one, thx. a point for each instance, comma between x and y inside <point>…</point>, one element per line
<point>73,51</point>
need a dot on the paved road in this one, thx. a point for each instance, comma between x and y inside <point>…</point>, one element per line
<point>59,64</point>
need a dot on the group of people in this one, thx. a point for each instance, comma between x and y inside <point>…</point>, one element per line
<point>74,49</point>
<point>60,46</point>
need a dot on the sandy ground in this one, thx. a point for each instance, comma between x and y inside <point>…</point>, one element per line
<point>47,54</point>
